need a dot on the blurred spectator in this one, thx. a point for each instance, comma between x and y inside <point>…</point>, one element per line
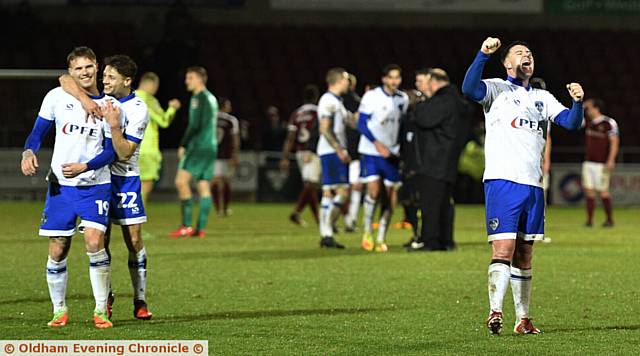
<point>275,130</point>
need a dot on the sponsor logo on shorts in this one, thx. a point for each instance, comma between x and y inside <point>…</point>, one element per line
<point>494,223</point>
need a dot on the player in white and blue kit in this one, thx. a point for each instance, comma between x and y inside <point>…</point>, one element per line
<point>127,209</point>
<point>379,123</point>
<point>516,120</point>
<point>79,184</point>
<point>332,151</point>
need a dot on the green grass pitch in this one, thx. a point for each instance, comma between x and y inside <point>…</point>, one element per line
<point>259,285</point>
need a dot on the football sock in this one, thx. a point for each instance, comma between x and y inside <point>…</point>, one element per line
<point>325,217</point>
<point>606,203</point>
<point>57,282</point>
<point>521,289</point>
<point>215,193</point>
<point>186,206</point>
<point>303,198</point>
<point>203,215</point>
<point>336,208</point>
<point>382,228</point>
<point>138,272</point>
<point>100,276</point>
<point>369,208</point>
<point>313,202</point>
<point>354,206</point>
<point>499,275</point>
<point>591,206</point>
<point>226,195</point>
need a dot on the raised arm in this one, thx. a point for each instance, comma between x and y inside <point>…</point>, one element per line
<point>161,117</point>
<point>571,119</point>
<point>472,86</point>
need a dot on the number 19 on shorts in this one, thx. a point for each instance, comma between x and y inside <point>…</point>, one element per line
<point>103,207</point>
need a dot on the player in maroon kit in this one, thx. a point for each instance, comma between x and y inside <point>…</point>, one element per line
<point>602,143</point>
<point>303,138</point>
<point>228,132</point>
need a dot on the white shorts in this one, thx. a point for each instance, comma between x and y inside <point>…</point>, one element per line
<point>309,164</point>
<point>223,169</point>
<point>595,176</point>
<point>354,172</point>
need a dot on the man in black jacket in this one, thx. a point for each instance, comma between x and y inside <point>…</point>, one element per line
<point>443,127</point>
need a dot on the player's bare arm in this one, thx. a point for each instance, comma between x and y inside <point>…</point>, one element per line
<point>352,119</point>
<point>327,131</point>
<point>286,149</point>
<point>29,163</point>
<point>613,152</point>
<point>92,109</point>
<point>71,170</point>
<point>123,147</point>
<point>235,155</point>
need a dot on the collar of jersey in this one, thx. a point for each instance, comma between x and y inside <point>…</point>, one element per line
<point>95,97</point>
<point>127,98</point>
<point>517,82</point>
<point>387,94</point>
<point>337,97</point>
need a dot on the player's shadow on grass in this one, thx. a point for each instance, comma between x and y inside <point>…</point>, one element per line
<point>260,255</point>
<point>255,314</point>
<point>46,299</point>
<point>595,328</point>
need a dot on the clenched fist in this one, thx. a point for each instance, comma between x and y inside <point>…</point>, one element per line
<point>490,45</point>
<point>576,92</point>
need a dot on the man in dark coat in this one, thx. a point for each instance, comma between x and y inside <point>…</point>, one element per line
<point>443,127</point>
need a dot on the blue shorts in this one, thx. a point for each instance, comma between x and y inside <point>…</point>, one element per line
<point>65,204</point>
<point>126,201</point>
<point>373,168</point>
<point>335,173</point>
<point>514,211</point>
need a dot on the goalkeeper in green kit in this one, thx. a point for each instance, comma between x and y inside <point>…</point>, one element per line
<point>197,153</point>
<point>150,159</point>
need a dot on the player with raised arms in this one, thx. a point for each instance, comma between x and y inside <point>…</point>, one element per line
<point>79,183</point>
<point>516,118</point>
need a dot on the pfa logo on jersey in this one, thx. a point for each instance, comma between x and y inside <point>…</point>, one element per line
<point>73,129</point>
<point>525,123</point>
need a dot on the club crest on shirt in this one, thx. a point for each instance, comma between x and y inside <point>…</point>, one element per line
<point>195,103</point>
<point>539,106</point>
<point>494,223</point>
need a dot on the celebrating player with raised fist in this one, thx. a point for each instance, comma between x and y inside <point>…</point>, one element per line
<point>516,120</point>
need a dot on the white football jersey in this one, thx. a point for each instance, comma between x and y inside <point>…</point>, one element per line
<point>136,117</point>
<point>386,113</point>
<point>331,106</point>
<point>77,140</point>
<point>516,120</point>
